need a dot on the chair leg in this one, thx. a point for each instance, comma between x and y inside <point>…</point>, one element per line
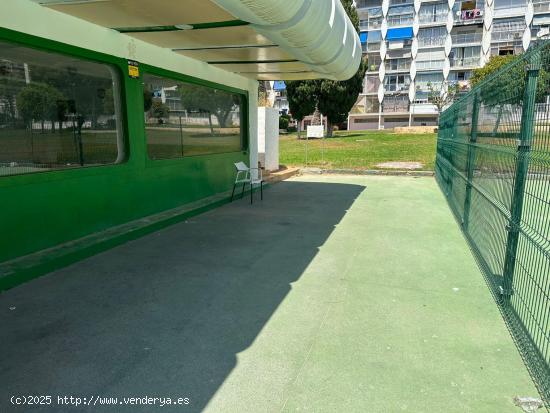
<point>242,192</point>
<point>262,190</point>
<point>251,192</point>
<point>233,192</point>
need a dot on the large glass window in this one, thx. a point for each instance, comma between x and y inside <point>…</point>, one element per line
<point>400,16</point>
<point>509,4</point>
<point>395,104</point>
<point>398,64</point>
<point>428,81</point>
<point>397,83</point>
<point>432,36</point>
<point>372,83</point>
<point>508,30</point>
<point>465,56</point>
<point>433,13</point>
<point>374,19</point>
<point>56,112</point>
<point>183,119</point>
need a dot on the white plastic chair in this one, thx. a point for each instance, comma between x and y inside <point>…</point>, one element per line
<point>244,176</point>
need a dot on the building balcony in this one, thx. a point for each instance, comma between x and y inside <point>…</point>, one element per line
<point>401,20</point>
<point>431,42</point>
<point>507,36</point>
<point>440,18</point>
<point>472,16</point>
<point>466,38</point>
<point>400,67</point>
<point>373,68</point>
<point>541,6</point>
<point>465,62</point>
<point>372,47</point>
<point>396,88</point>
<point>425,108</point>
<point>371,24</point>
<point>362,4</point>
<point>510,11</point>
<point>395,108</point>
<point>429,65</point>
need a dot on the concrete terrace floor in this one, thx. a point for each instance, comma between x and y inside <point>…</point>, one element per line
<point>336,294</point>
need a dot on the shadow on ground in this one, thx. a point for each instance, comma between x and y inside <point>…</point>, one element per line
<point>165,315</point>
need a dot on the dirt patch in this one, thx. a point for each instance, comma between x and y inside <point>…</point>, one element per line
<point>400,165</point>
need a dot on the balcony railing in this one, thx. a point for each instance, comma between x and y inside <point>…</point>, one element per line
<point>400,2</point>
<point>541,6</point>
<point>466,38</point>
<point>373,67</point>
<point>399,87</point>
<point>432,18</point>
<point>429,64</point>
<point>370,24</point>
<point>468,16</point>
<point>395,107</point>
<point>371,88</point>
<point>427,86</point>
<point>506,36</point>
<point>371,47</point>
<point>400,66</point>
<point>431,41</point>
<point>401,20</point>
<point>465,62</point>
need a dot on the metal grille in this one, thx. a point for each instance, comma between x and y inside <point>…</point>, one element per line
<point>493,165</point>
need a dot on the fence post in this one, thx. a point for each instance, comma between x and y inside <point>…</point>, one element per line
<point>470,164</point>
<point>522,168</point>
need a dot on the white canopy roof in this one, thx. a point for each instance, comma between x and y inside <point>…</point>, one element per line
<point>261,39</point>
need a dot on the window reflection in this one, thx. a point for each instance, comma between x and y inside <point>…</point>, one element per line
<point>184,119</point>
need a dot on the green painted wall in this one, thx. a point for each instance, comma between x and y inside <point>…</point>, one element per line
<point>45,209</point>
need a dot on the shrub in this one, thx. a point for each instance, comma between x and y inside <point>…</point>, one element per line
<point>284,121</point>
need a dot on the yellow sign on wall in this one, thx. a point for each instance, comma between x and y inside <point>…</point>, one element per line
<point>133,69</point>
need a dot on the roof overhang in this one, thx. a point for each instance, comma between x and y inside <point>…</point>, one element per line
<point>261,39</point>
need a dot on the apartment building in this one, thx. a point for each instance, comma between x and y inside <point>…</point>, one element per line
<point>414,46</point>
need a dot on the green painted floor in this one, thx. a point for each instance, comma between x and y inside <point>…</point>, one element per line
<point>334,294</point>
<point>392,314</point>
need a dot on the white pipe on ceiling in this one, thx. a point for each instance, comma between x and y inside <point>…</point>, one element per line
<point>316,32</point>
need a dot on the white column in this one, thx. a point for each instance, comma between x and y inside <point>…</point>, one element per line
<point>487,28</point>
<point>253,124</point>
<point>414,53</point>
<point>448,43</point>
<point>268,138</point>
<point>382,69</point>
<point>529,13</point>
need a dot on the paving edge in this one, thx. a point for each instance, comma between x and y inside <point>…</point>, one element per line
<point>383,172</point>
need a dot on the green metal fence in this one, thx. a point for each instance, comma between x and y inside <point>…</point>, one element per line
<point>493,164</point>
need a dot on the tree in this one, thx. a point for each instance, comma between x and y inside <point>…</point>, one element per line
<point>507,89</point>
<point>147,100</point>
<point>495,63</point>
<point>213,101</point>
<point>86,92</point>
<point>302,97</point>
<point>442,96</point>
<point>8,91</point>
<point>333,99</point>
<point>39,101</point>
<point>159,110</point>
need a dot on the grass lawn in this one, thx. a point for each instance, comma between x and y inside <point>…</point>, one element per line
<point>359,150</point>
